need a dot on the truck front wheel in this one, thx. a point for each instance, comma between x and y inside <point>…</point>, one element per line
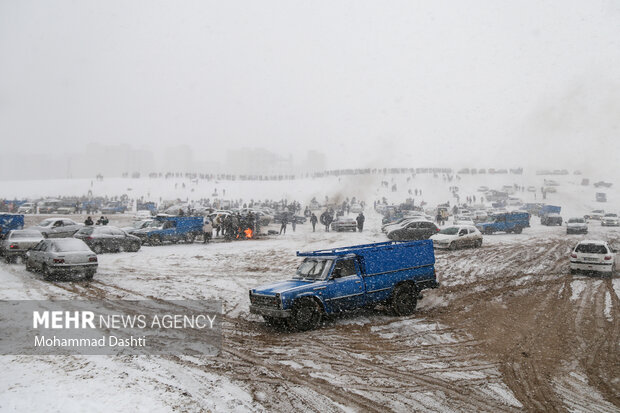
<point>404,300</point>
<point>306,314</point>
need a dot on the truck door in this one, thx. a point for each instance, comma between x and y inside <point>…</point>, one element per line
<point>345,287</point>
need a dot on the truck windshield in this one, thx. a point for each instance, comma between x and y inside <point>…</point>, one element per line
<point>312,269</point>
<point>156,224</point>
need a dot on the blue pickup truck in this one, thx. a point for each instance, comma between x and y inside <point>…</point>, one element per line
<point>9,222</point>
<point>344,279</point>
<point>507,222</point>
<point>170,228</point>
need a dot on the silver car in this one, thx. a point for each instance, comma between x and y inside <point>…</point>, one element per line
<point>18,242</point>
<point>62,256</point>
<point>57,227</point>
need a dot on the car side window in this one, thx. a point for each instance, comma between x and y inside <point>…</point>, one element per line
<point>57,224</point>
<point>344,268</point>
<point>463,232</point>
<point>413,225</point>
<point>67,222</point>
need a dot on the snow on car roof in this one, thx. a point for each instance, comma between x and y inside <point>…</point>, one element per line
<point>593,241</point>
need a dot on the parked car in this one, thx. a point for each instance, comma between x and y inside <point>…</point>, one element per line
<point>610,220</point>
<point>143,214</point>
<point>18,242</point>
<point>398,223</point>
<point>113,208</point>
<point>457,236</point>
<point>26,208</point>
<point>343,223</point>
<point>57,227</point>
<point>346,279</point>
<point>108,239</point>
<point>62,256</point>
<point>414,230</point>
<point>593,256</point>
<point>137,225</point>
<point>596,214</point>
<point>356,208</point>
<point>483,188</point>
<point>277,218</point>
<point>601,197</point>
<point>576,226</point>
<point>602,184</point>
<point>551,219</point>
<point>49,206</point>
<point>462,220</point>
<point>480,216</point>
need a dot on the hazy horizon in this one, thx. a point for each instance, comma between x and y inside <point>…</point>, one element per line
<point>479,84</point>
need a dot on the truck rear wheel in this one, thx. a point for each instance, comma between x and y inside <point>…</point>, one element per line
<point>404,300</point>
<point>189,238</point>
<point>518,230</point>
<point>306,314</point>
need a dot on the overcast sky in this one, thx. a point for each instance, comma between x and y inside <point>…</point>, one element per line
<point>487,83</point>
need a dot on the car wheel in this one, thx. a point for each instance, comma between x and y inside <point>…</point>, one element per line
<point>452,246</point>
<point>89,275</point>
<point>404,300</point>
<point>135,247</point>
<point>155,240</point>
<point>306,314</point>
<point>478,243</point>
<point>46,272</point>
<point>97,249</point>
<point>518,230</point>
<point>189,238</point>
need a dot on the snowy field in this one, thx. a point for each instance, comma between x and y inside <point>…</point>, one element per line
<point>509,330</point>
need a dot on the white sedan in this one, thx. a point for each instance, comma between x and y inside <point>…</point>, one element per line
<point>61,256</point>
<point>457,236</point>
<point>593,256</point>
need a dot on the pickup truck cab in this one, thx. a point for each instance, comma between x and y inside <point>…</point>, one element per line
<point>345,279</point>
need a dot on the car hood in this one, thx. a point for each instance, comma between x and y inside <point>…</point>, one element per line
<point>576,224</point>
<point>280,287</point>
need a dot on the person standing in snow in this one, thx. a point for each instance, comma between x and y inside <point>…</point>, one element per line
<point>284,222</point>
<point>360,221</point>
<point>313,221</point>
<point>207,230</point>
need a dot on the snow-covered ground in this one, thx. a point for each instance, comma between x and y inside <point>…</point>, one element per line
<point>509,329</point>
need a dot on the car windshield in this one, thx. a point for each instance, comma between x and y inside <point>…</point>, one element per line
<point>576,221</point>
<point>156,224</point>
<point>312,269</point>
<point>26,234</point>
<point>611,215</point>
<point>68,245</point>
<point>449,231</point>
<point>591,249</point>
<point>47,222</point>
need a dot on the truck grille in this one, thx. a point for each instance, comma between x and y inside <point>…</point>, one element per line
<point>264,300</point>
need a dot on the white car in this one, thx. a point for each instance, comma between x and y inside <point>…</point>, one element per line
<point>576,225</point>
<point>61,256</point>
<point>143,214</point>
<point>57,227</point>
<point>17,242</point>
<point>463,220</point>
<point>593,256</point>
<point>596,214</point>
<point>356,208</point>
<point>457,236</point>
<point>26,208</point>
<point>610,220</point>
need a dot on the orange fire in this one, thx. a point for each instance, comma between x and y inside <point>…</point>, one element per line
<point>248,233</point>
